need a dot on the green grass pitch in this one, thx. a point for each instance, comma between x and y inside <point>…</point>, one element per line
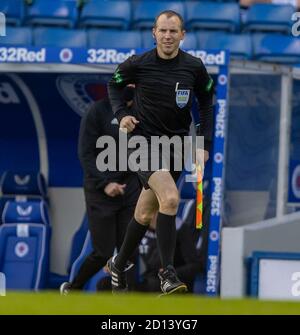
<point>50,303</point>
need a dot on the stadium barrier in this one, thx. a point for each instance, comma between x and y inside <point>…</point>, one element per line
<point>279,235</point>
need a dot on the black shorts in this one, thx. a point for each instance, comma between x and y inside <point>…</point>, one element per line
<point>154,159</point>
<point>145,175</point>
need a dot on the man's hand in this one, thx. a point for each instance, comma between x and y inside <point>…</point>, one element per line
<point>202,157</point>
<point>114,189</point>
<point>128,122</point>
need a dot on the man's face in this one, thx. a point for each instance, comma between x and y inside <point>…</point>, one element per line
<point>168,34</point>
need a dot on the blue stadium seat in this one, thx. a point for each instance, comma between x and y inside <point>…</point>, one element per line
<point>22,186</point>
<point>19,36</point>
<point>148,41</point>
<point>24,245</point>
<point>59,37</point>
<point>145,12</point>
<point>213,15</point>
<point>276,48</point>
<point>203,36</point>
<point>53,13</point>
<point>109,14</point>
<point>27,183</point>
<point>106,38</point>
<point>25,212</point>
<point>20,199</point>
<point>23,256</point>
<point>189,42</point>
<point>240,46</point>
<point>269,17</point>
<point>13,10</point>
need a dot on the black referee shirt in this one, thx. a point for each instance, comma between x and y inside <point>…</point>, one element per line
<point>164,94</point>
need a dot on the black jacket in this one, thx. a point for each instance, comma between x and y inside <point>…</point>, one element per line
<point>98,121</point>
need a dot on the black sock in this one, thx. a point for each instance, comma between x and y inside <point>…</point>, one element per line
<point>166,238</point>
<point>135,232</point>
<point>88,269</point>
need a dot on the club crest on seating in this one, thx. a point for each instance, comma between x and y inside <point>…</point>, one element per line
<point>21,249</point>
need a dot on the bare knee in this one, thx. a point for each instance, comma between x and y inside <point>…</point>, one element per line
<point>169,203</point>
<point>143,217</point>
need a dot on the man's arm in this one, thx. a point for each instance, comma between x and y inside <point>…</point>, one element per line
<point>124,75</point>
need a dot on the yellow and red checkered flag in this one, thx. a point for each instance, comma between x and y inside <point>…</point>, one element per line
<point>199,198</point>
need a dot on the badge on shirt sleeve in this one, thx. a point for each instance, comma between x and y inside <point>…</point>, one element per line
<point>182,97</point>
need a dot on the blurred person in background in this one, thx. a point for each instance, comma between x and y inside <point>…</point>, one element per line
<point>110,196</point>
